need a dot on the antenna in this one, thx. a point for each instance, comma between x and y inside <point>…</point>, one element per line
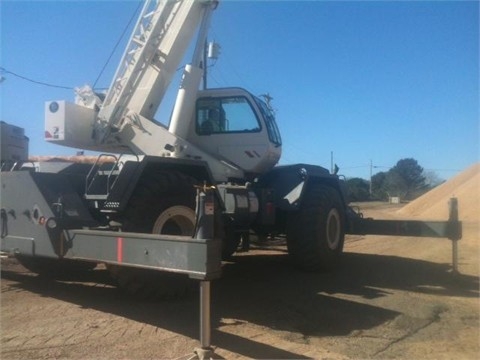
<point>268,100</point>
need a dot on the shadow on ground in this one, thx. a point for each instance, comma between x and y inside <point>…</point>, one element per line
<point>265,290</point>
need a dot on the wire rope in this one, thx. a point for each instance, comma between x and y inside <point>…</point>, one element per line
<point>134,15</point>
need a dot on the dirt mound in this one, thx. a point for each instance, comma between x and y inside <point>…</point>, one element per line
<point>434,204</point>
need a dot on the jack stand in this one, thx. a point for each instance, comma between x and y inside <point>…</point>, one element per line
<point>455,257</point>
<point>203,354</point>
<point>455,232</point>
<point>205,230</point>
<point>205,351</point>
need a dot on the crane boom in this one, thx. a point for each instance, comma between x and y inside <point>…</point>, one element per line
<point>156,47</point>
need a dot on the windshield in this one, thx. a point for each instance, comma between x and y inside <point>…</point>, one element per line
<point>232,114</point>
<point>272,129</point>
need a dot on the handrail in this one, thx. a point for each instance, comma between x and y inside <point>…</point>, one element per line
<point>94,172</point>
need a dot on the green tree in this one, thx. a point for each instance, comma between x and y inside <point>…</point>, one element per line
<point>358,189</point>
<point>406,180</point>
<point>379,191</point>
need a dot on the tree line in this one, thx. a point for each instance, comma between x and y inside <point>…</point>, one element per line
<point>406,180</point>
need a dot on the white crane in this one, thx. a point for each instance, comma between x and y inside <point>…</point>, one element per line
<point>124,120</point>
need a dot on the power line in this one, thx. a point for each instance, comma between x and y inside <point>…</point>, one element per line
<point>354,167</point>
<point>2,69</point>
<point>43,83</point>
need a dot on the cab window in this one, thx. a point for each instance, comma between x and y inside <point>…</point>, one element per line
<point>225,115</point>
<point>271,125</point>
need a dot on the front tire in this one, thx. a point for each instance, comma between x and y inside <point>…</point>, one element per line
<point>316,232</point>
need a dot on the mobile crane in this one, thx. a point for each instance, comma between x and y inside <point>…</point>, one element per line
<point>224,137</point>
<point>176,198</point>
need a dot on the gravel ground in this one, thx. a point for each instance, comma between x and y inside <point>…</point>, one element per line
<point>390,298</point>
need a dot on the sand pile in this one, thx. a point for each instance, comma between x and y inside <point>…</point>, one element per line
<point>434,204</point>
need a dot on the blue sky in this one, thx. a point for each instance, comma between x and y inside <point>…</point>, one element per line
<point>369,81</point>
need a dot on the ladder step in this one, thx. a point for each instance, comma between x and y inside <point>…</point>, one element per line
<point>96,196</point>
<point>107,172</point>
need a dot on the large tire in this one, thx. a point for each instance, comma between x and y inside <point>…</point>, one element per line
<point>163,203</point>
<point>316,232</point>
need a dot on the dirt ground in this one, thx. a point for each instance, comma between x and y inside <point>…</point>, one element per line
<point>390,298</point>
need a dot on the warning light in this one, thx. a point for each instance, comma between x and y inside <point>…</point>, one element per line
<point>51,223</point>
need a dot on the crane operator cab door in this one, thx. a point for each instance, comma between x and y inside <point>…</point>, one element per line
<point>237,127</point>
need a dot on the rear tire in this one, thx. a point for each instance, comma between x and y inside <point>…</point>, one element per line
<point>316,233</point>
<point>163,203</point>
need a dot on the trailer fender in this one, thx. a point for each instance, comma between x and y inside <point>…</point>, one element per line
<point>288,184</point>
<point>132,174</point>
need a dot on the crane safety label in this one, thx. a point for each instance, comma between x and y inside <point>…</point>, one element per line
<point>209,208</point>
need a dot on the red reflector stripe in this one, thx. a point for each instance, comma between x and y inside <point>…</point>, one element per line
<point>119,249</point>
<point>270,208</point>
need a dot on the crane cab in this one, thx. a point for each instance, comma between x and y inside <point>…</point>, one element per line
<point>233,125</point>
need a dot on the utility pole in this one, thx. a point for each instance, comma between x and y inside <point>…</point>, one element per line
<point>371,169</point>
<point>331,162</point>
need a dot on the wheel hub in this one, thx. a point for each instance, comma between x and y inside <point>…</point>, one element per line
<point>176,220</point>
<point>333,229</point>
